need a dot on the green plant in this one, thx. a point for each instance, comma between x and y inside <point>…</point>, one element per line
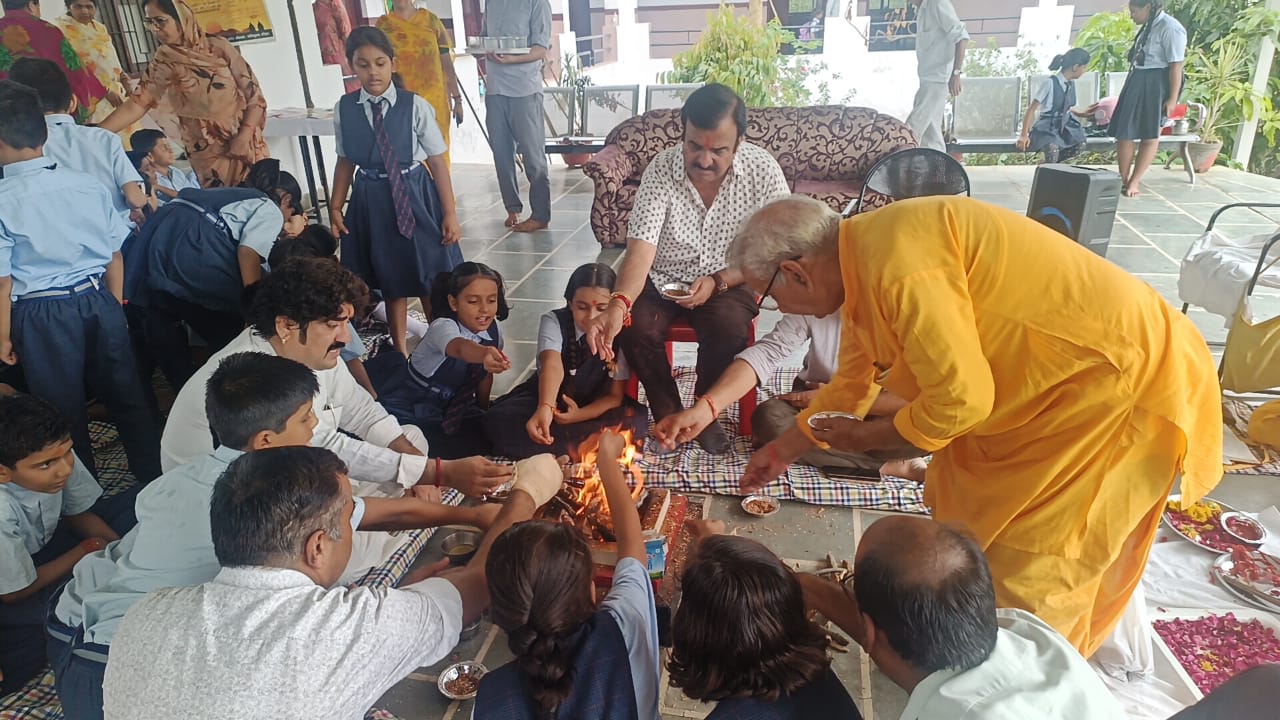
<point>992,61</point>
<point>1107,37</point>
<point>1219,77</point>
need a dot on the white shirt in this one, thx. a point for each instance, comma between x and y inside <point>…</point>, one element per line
<point>428,141</point>
<point>1044,92</point>
<point>938,29</point>
<point>1032,673</point>
<point>260,642</point>
<point>693,239</point>
<point>551,338</point>
<point>29,518</point>
<point>792,331</point>
<point>340,404</point>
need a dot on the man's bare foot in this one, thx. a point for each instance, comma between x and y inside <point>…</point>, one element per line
<point>1131,190</point>
<point>704,528</point>
<point>913,469</point>
<point>529,225</point>
<point>512,219</point>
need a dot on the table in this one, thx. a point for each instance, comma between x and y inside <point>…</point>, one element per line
<point>305,124</point>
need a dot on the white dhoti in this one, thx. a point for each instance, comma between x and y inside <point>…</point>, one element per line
<point>927,114</point>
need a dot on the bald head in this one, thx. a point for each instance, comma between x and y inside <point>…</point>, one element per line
<point>928,588</point>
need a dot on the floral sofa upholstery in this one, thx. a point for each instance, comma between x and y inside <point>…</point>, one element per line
<point>825,152</point>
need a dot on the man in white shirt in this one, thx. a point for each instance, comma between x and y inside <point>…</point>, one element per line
<point>941,39</point>
<point>923,606</point>
<point>691,201</point>
<point>266,637</point>
<point>302,311</point>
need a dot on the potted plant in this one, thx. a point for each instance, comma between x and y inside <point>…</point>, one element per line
<point>1219,78</point>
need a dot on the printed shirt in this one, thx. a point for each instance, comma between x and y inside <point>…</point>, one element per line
<point>517,18</point>
<point>429,142</point>
<point>938,29</point>
<point>693,239</point>
<point>28,519</point>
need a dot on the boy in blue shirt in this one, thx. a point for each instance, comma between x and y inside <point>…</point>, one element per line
<point>51,515</point>
<point>90,150</point>
<point>157,156</point>
<point>254,401</point>
<point>61,279</point>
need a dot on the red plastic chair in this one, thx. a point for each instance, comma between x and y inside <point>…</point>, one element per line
<point>681,331</point>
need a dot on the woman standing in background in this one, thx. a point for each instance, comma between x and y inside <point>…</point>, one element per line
<point>92,42</point>
<point>424,60</point>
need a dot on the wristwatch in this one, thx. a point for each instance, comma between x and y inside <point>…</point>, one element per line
<point>955,73</point>
<point>721,285</point>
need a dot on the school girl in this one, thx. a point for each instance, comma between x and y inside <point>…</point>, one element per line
<point>1056,132</point>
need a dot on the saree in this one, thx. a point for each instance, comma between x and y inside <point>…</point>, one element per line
<point>25,35</point>
<point>211,90</point>
<point>92,42</point>
<point>420,43</point>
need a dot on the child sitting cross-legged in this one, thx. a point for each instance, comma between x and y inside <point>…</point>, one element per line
<point>574,659</point>
<point>254,401</point>
<point>51,514</point>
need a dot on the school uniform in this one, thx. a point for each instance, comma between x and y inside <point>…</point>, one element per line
<point>1139,113</point>
<point>394,214</point>
<point>1057,133</point>
<point>176,180</point>
<point>182,270</point>
<point>31,534</point>
<point>586,378</point>
<point>435,391</point>
<point>615,654</point>
<point>826,696</point>
<point>171,545</point>
<point>92,151</point>
<point>58,232</point>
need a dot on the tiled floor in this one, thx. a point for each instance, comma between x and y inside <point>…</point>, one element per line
<point>1150,235</point>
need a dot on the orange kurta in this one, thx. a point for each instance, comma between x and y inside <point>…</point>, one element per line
<point>1060,395</point>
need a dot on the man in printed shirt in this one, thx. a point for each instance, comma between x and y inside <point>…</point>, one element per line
<point>691,201</point>
<point>941,39</point>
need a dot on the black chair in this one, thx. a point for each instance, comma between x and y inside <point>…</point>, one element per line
<point>913,172</point>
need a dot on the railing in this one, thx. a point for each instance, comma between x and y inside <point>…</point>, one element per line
<point>133,43</point>
<point>588,53</point>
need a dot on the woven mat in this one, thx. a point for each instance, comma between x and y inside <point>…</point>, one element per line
<point>39,701</point>
<point>691,469</point>
<point>1236,414</point>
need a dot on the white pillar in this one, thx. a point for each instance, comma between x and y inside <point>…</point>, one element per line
<point>1244,141</point>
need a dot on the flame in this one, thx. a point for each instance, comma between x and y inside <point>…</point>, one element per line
<point>591,498</point>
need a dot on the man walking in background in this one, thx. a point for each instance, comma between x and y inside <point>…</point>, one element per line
<point>941,39</point>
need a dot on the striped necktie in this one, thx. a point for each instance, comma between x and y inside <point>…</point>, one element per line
<point>399,193</point>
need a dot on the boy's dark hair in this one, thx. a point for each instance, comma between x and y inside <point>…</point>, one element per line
<point>934,621</point>
<point>315,241</point>
<point>145,140</point>
<point>449,284</point>
<point>267,503</point>
<point>10,5</point>
<point>29,424</point>
<point>251,392</point>
<point>267,177</point>
<point>773,649</point>
<point>711,104</point>
<point>304,290</point>
<point>47,79</point>
<point>365,36</point>
<point>539,576</point>
<point>22,125</point>
<point>591,275</point>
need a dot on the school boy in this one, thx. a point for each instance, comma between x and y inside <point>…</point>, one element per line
<point>51,514</point>
<point>61,279</point>
<point>254,401</point>
<point>90,150</point>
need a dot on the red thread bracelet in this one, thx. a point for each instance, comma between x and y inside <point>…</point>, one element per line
<point>626,306</point>
<point>714,412</point>
<point>438,481</point>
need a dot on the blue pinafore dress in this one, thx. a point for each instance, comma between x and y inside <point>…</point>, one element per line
<point>1057,133</point>
<point>374,249</point>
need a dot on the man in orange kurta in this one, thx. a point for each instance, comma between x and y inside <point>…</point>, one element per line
<point>1060,396</point>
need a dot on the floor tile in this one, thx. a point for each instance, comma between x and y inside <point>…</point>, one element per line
<point>1141,259</point>
<point>1164,223</point>
<point>542,283</point>
<point>512,266</point>
<point>1175,245</point>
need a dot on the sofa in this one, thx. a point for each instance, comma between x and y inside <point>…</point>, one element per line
<point>825,152</point>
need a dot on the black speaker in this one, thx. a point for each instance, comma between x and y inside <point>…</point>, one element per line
<point>1079,202</point>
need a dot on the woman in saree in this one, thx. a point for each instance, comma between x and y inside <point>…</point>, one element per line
<point>212,90</point>
<point>92,42</point>
<point>424,59</point>
<point>24,34</point>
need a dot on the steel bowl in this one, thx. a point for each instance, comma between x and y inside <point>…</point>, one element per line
<point>1241,517</point>
<point>827,415</point>
<point>475,41</point>
<point>460,546</point>
<point>750,502</point>
<point>457,670</point>
<point>511,43</point>
<point>490,43</point>
<point>676,291</point>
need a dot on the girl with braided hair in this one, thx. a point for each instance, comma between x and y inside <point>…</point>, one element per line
<point>1150,91</point>
<point>574,659</point>
<point>574,394</point>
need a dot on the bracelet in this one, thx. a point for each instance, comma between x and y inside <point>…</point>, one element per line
<point>626,306</point>
<point>438,481</point>
<point>714,412</point>
<point>548,405</point>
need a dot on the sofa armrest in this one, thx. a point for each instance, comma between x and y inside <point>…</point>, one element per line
<point>609,168</point>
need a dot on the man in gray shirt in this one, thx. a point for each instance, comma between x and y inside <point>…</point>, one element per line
<point>513,106</point>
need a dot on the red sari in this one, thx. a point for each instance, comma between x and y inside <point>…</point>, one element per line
<point>25,35</point>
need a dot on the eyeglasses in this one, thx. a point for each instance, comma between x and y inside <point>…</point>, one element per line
<point>766,302</point>
<point>157,21</point>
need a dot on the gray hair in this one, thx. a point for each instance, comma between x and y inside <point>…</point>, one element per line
<point>786,228</point>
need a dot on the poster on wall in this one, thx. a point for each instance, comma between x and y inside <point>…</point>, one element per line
<point>893,25</point>
<point>237,21</point>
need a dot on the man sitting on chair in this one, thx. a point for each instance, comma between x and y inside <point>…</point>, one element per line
<point>691,201</point>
